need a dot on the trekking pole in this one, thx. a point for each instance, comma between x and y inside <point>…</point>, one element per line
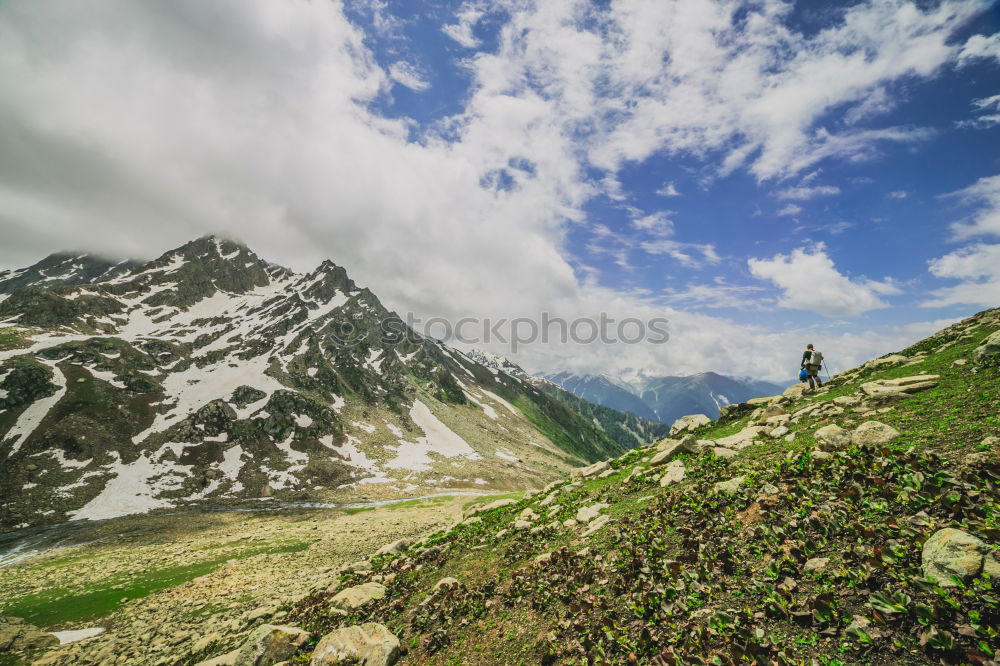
<point>827,368</point>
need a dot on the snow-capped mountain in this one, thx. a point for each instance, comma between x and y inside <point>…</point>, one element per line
<point>210,374</point>
<point>665,399</point>
<point>62,269</point>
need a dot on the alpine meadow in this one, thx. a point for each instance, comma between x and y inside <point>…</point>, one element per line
<point>562,332</point>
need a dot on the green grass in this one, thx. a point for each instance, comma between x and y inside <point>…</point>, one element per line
<point>60,606</point>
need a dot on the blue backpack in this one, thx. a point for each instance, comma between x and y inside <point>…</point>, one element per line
<point>803,375</point>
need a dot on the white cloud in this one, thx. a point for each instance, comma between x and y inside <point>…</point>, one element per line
<point>656,223</point>
<point>462,32</point>
<point>129,127</point>
<point>898,194</point>
<point>790,209</point>
<point>984,193</point>
<point>980,46</point>
<point>719,294</point>
<point>978,268</point>
<point>683,252</point>
<point>668,190</point>
<point>407,75</point>
<point>810,281</point>
<point>805,193</point>
<point>989,113</point>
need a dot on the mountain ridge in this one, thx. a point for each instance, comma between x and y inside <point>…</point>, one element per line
<point>209,373</point>
<point>665,398</point>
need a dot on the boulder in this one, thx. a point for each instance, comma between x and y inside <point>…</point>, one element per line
<point>778,432</point>
<point>730,486</point>
<point>597,524</point>
<point>483,508</point>
<point>816,564</point>
<point>988,349</point>
<point>667,453</point>
<point>951,552</point>
<point>358,596</point>
<point>690,444</point>
<point>832,438</point>
<point>269,644</point>
<point>820,455</point>
<point>395,547</point>
<point>743,438</point>
<point>689,422</point>
<point>873,433</point>
<point>723,452</point>
<point>591,470</point>
<point>763,401</point>
<point>448,582</point>
<point>370,644</point>
<point>771,411</point>
<point>585,514</point>
<point>17,635</point>
<point>905,385</point>
<point>675,472</point>
<point>795,391</point>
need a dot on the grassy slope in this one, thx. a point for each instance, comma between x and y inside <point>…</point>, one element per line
<point>685,574</point>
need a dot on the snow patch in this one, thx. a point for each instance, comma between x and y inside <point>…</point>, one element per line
<point>438,438</point>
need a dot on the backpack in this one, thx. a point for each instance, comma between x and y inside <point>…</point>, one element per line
<point>803,375</point>
<point>816,358</point>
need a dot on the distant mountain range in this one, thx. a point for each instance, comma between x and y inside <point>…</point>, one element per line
<point>211,375</point>
<point>665,399</point>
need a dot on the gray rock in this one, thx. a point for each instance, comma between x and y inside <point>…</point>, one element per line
<point>873,433</point>
<point>743,438</point>
<point>795,392</point>
<point>483,508</point>
<point>446,582</point>
<point>596,524</point>
<point>395,547</point>
<point>269,644</point>
<point>730,486</point>
<point>690,444</point>
<point>816,564</point>
<point>820,455</point>
<point>370,644</point>
<point>689,422</point>
<point>832,438</point>
<point>779,432</point>
<point>951,552</point>
<point>17,635</point>
<point>666,454</point>
<point>988,348</point>
<point>675,472</point>
<point>592,470</point>
<point>723,452</point>
<point>585,514</point>
<point>358,596</point>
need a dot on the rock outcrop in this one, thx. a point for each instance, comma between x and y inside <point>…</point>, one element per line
<point>370,644</point>
<point>17,635</point>
<point>952,552</point>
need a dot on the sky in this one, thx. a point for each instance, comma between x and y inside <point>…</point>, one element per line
<point>761,174</point>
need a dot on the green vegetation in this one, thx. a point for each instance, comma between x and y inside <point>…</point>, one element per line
<point>691,574</point>
<point>59,606</point>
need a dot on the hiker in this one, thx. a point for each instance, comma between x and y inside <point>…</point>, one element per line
<point>812,361</point>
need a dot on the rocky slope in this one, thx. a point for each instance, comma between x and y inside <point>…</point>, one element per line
<point>665,399</point>
<point>856,524</point>
<point>212,375</point>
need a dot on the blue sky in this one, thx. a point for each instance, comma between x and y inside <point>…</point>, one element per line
<point>761,173</point>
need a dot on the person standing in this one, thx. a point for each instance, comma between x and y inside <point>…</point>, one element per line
<point>812,361</point>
